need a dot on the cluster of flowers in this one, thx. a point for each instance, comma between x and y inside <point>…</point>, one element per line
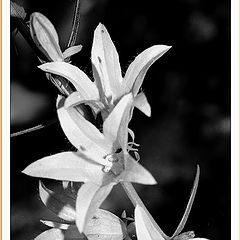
<point>104,155</point>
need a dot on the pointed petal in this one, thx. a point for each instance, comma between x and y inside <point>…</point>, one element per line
<point>45,36</point>
<point>83,135</point>
<point>141,102</point>
<point>138,68</point>
<point>71,51</point>
<point>144,228</point>
<point>62,205</point>
<point>76,76</point>
<point>89,199</point>
<point>115,127</point>
<point>106,61</point>
<point>66,166</point>
<point>135,172</point>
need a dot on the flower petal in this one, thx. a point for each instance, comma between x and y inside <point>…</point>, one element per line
<point>135,172</point>
<point>115,127</point>
<point>71,51</point>
<point>83,135</point>
<point>63,226</point>
<point>45,36</point>
<point>106,61</point>
<point>76,76</point>
<point>137,70</point>
<point>89,199</point>
<point>66,166</point>
<point>141,102</point>
<point>144,228</point>
<point>62,205</point>
<point>77,98</point>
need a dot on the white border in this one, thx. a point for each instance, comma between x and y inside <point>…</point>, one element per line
<point>234,119</point>
<point>5,120</point>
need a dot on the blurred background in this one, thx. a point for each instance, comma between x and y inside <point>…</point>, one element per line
<point>188,89</point>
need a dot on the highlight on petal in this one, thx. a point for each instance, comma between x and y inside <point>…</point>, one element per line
<point>89,199</point>
<point>115,127</point>
<point>62,205</point>
<point>83,135</point>
<point>141,102</point>
<point>106,61</point>
<point>144,228</point>
<point>76,76</point>
<point>63,226</point>
<point>135,172</point>
<point>45,36</point>
<point>71,51</point>
<point>138,68</point>
<point>66,166</point>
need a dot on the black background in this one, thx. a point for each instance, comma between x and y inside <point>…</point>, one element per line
<point>189,92</point>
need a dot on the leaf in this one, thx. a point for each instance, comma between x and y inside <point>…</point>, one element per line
<point>52,224</point>
<point>144,228</point>
<point>134,172</point>
<point>138,68</point>
<point>141,102</point>
<point>56,234</point>
<point>115,127</point>
<point>62,205</point>
<point>17,11</point>
<point>71,51</point>
<point>77,77</point>
<point>45,36</point>
<point>67,166</point>
<point>106,61</point>
<point>189,205</point>
<point>83,135</point>
<point>89,199</point>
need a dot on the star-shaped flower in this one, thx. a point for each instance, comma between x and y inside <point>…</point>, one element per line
<point>102,159</point>
<point>109,85</point>
<point>46,39</point>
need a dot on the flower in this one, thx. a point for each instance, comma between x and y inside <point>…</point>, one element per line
<point>102,159</point>
<point>46,39</point>
<point>109,85</point>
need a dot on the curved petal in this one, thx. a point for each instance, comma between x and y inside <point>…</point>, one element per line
<point>71,51</point>
<point>115,127</point>
<point>141,102</point>
<point>77,98</point>
<point>76,76</point>
<point>89,199</point>
<point>45,36</point>
<point>135,172</point>
<point>66,166</point>
<point>106,61</point>
<point>137,70</point>
<point>83,135</point>
<point>144,228</point>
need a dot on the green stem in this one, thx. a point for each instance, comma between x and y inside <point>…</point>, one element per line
<point>136,200</point>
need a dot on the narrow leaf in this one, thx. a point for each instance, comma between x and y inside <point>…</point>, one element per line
<point>89,199</point>
<point>76,76</point>
<point>138,68</point>
<point>17,11</point>
<point>144,228</point>
<point>66,166</point>
<point>52,224</point>
<point>141,102</point>
<point>189,205</point>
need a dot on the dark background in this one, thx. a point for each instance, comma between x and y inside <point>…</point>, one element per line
<point>188,89</point>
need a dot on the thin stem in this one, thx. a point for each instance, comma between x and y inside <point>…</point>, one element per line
<point>75,25</point>
<point>136,200</point>
<point>189,205</point>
